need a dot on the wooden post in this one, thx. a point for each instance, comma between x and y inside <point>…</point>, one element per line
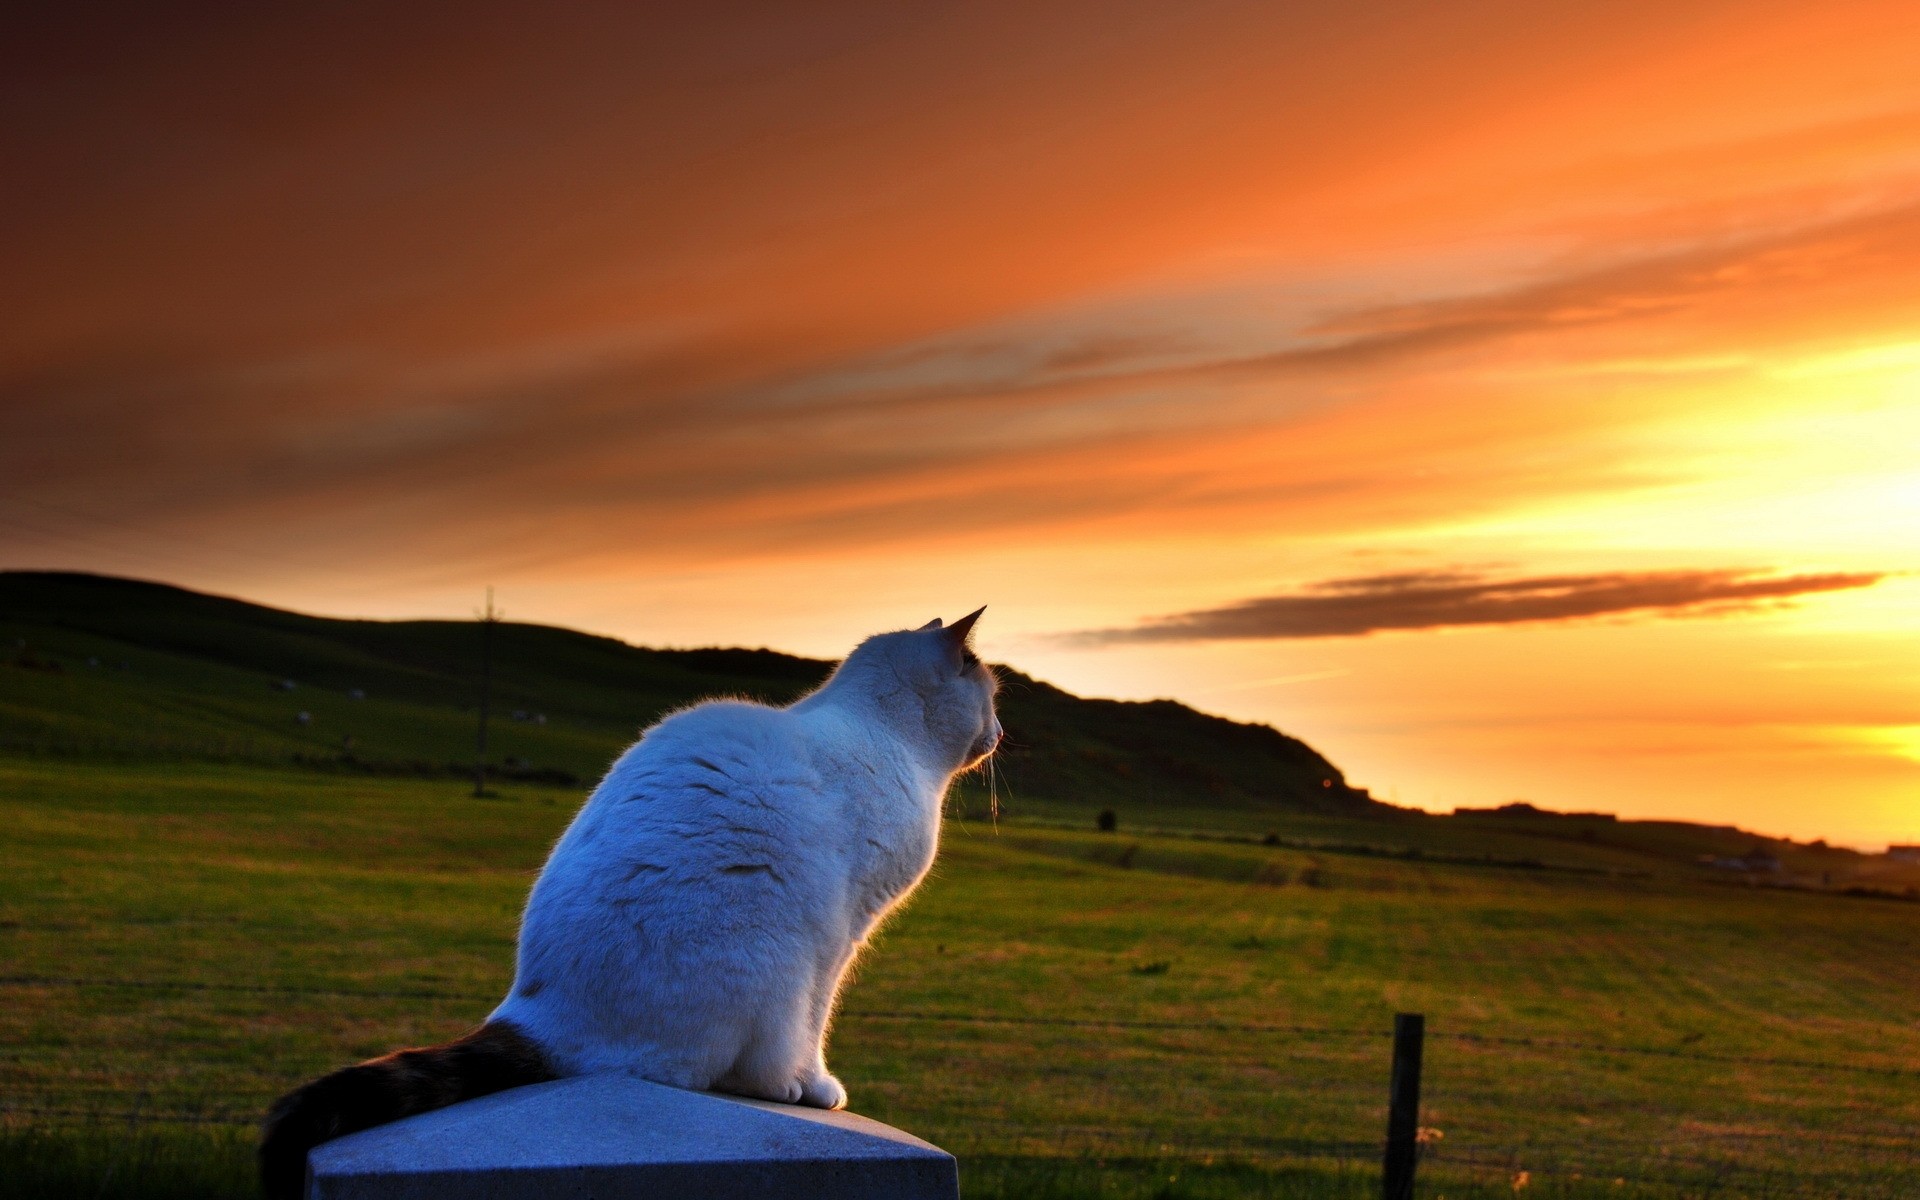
<point>1403,1106</point>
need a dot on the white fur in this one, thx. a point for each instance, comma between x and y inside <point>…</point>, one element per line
<point>696,921</point>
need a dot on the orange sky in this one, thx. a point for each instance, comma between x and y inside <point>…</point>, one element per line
<point>1514,400</point>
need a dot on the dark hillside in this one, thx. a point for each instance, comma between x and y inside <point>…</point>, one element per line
<point>99,665</point>
<point>1159,753</point>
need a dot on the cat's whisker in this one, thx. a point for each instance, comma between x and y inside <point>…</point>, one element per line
<point>1005,741</point>
<point>993,790</point>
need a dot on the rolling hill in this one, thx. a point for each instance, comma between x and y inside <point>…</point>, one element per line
<point>109,669</point>
<point>117,667</point>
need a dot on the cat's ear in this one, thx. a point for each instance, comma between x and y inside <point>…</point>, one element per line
<point>933,624</point>
<point>962,629</point>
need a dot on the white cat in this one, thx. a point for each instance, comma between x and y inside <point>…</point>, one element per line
<point>696,921</point>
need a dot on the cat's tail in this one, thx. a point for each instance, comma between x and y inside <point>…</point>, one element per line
<point>492,1058</point>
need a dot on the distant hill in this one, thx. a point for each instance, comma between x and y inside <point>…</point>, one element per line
<point>99,667</point>
<point>105,666</point>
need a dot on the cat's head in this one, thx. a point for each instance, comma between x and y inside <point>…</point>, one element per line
<point>932,685</point>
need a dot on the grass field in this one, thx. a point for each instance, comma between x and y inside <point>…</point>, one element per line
<point>1075,1014</point>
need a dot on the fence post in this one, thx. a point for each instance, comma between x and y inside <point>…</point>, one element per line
<point>615,1135</point>
<point>1403,1106</point>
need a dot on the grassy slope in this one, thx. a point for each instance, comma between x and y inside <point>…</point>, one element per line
<point>200,674</point>
<point>393,902</point>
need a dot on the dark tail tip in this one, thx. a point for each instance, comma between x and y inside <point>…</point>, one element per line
<point>297,1122</point>
<point>490,1059</point>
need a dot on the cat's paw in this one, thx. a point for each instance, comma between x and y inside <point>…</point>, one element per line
<point>823,1091</point>
<point>790,1092</point>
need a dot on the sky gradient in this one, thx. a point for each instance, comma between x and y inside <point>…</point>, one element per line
<point>1516,401</point>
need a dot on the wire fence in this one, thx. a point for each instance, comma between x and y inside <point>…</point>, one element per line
<point>1196,1090</point>
<point>1088,1022</point>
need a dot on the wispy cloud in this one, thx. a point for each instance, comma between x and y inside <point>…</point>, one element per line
<point>1026,361</point>
<point>1144,399</point>
<point>1444,599</point>
<point>724,445</point>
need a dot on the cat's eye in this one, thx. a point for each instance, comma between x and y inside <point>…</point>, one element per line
<point>968,659</point>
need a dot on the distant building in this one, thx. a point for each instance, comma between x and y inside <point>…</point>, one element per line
<point>1904,853</point>
<point>1759,860</point>
<point>1524,808</point>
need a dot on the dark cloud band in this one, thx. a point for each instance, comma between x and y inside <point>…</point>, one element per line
<point>1446,599</point>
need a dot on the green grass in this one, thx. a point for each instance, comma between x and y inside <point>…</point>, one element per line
<point>127,1160</point>
<point>1207,1020</point>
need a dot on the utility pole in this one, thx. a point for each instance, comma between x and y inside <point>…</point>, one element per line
<point>488,619</point>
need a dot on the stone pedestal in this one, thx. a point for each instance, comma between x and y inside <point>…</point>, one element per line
<point>615,1137</point>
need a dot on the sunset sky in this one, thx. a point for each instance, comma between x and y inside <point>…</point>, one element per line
<point>1515,400</point>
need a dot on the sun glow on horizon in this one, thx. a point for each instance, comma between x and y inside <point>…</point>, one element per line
<point>694,337</point>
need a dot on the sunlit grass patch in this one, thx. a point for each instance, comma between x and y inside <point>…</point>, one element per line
<point>1071,1025</point>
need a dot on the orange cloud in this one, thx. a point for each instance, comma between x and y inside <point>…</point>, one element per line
<point>1449,599</point>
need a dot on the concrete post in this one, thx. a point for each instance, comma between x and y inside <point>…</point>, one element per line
<point>615,1137</point>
